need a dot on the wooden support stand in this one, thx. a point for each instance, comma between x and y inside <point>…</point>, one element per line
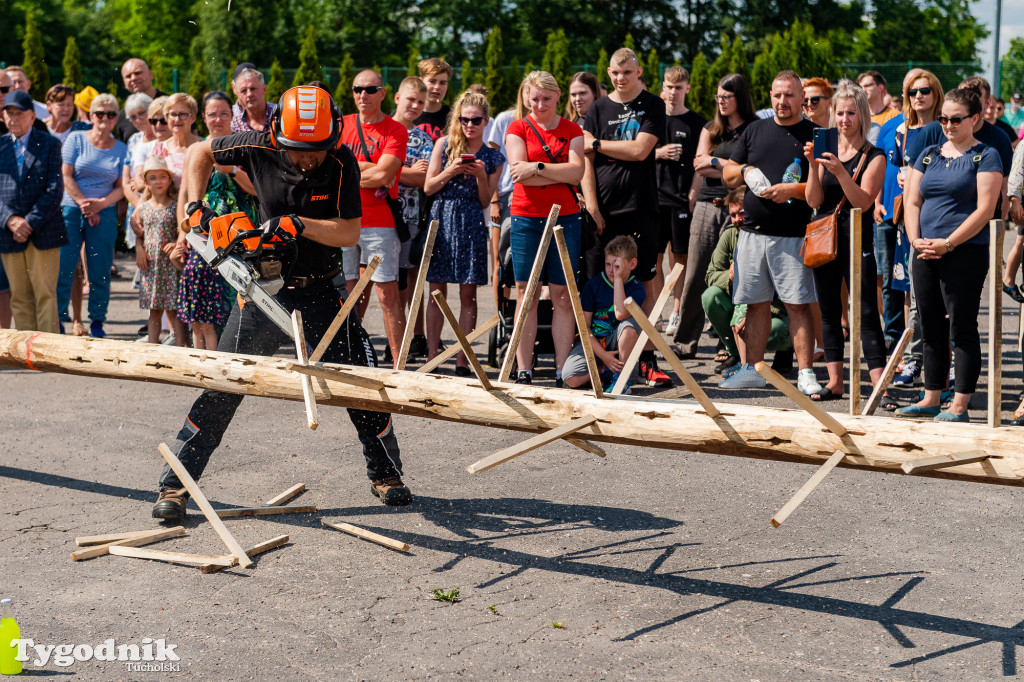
<point>204,505</point>
<point>351,302</point>
<point>174,557</point>
<point>794,394</point>
<point>366,535</point>
<point>889,372</point>
<point>856,266</point>
<point>251,551</point>
<point>308,397</point>
<point>943,461</point>
<point>502,456</point>
<point>569,270</point>
<point>450,351</point>
<point>677,366</point>
<point>467,349</point>
<point>659,306</point>
<point>523,307</point>
<point>996,232</point>
<point>338,375</point>
<point>148,538</point>
<point>286,495</point>
<point>265,511</point>
<point>417,295</point>
<point>807,488</point>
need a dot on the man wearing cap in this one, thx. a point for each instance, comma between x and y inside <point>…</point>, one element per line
<point>137,78</point>
<point>31,225</point>
<point>20,81</point>
<point>251,110</point>
<point>296,167</point>
<point>1015,112</point>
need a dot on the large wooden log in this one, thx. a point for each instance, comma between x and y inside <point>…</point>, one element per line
<point>882,444</point>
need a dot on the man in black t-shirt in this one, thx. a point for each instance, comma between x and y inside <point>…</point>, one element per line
<point>770,160</point>
<point>298,169</point>
<point>678,182</point>
<point>620,185</point>
<point>137,78</point>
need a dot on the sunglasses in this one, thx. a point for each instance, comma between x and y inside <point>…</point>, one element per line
<point>476,120</point>
<point>912,92</point>
<point>368,89</point>
<point>105,114</point>
<point>5,89</point>
<point>158,121</point>
<point>722,99</point>
<point>952,120</point>
<point>813,101</point>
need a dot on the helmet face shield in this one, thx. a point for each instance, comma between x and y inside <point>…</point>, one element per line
<point>305,120</point>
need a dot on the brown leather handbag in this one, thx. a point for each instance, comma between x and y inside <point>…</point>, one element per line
<point>821,240</point>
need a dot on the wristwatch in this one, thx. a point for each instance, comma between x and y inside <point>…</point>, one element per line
<point>714,162</point>
<point>949,246</point>
<point>540,168</point>
<point>596,145</point>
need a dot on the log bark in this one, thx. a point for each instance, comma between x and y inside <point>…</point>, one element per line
<point>883,444</point>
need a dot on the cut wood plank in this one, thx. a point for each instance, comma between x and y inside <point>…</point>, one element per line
<point>587,446</point>
<point>856,266</point>
<point>204,505</point>
<point>889,372</point>
<point>86,540</point>
<point>677,366</point>
<point>537,441</point>
<point>321,372</point>
<point>996,231</point>
<point>417,295</point>
<point>366,535</point>
<point>286,495</point>
<point>523,306</point>
<point>174,557</point>
<point>807,488</point>
<point>265,511</point>
<point>794,394</point>
<point>308,397</point>
<point>569,270</point>
<point>154,536</point>
<point>452,350</point>
<point>351,302</point>
<point>467,349</point>
<point>944,461</point>
<point>251,551</point>
<point>659,306</point>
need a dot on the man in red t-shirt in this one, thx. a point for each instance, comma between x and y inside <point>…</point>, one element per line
<point>379,144</point>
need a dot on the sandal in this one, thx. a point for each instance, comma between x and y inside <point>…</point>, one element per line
<point>824,395</point>
<point>1014,292</point>
<point>78,329</point>
<point>888,403</point>
<point>722,356</point>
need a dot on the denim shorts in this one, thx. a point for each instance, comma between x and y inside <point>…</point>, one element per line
<point>525,241</point>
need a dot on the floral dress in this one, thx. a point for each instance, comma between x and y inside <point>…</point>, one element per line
<point>158,286</point>
<point>460,249</point>
<point>204,296</point>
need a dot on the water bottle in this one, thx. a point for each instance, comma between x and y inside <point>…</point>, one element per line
<point>792,173</point>
<point>9,631</point>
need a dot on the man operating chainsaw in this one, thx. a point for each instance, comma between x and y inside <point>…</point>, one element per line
<point>308,190</point>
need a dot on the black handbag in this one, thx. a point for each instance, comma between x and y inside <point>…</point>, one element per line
<point>394,205</point>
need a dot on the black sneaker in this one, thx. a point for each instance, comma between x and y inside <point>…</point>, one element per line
<point>559,383</point>
<point>418,346</point>
<point>783,361</point>
<point>388,358</point>
<point>730,361</point>
<point>461,371</point>
<point>171,504</point>
<point>524,377</point>
<point>391,491</point>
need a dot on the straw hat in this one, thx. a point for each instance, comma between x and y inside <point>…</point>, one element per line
<point>155,163</point>
<point>83,100</point>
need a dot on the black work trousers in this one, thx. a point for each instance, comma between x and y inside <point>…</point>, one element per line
<point>951,286</point>
<point>250,332</point>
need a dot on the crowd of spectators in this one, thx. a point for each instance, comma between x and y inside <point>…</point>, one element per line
<point>642,182</point>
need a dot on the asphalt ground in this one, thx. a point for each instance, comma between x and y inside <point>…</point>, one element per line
<point>647,564</point>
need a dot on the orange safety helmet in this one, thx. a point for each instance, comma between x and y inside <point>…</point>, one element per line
<point>306,120</point>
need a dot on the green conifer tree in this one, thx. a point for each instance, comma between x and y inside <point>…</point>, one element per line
<point>494,79</point>
<point>602,68</point>
<point>309,64</point>
<point>275,87</point>
<point>73,66</point>
<point>652,71</point>
<point>629,42</point>
<point>161,77</point>
<point>702,91</point>
<point>412,64</point>
<point>34,62</point>
<point>197,82</point>
<point>343,93</point>
<point>465,76</point>
<point>556,61</point>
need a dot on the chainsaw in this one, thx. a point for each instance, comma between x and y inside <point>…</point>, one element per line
<point>253,260</point>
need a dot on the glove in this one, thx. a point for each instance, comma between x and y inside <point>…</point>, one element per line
<point>289,225</point>
<point>199,215</point>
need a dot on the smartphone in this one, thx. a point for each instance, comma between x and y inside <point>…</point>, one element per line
<point>826,141</point>
<point>470,158</point>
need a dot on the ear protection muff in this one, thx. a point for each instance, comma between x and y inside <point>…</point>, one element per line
<point>332,142</point>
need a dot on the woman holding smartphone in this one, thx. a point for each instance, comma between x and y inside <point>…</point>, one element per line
<point>463,173</point>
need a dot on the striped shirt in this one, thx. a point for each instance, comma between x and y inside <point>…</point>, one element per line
<point>96,170</point>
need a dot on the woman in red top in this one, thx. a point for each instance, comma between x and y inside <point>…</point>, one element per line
<point>542,178</point>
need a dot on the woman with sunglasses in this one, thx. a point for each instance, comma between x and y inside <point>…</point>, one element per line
<point>204,298</point>
<point>541,180</point>
<point>951,194</point>
<point>92,161</point>
<point>818,101</point>
<point>463,173</point>
<point>60,102</point>
<point>180,112</point>
<point>734,111</point>
<point>136,107</point>
<point>851,179</point>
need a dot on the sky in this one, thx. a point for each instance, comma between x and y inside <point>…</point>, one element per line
<point>1012,27</point>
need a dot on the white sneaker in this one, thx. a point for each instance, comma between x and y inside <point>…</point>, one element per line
<point>807,382</point>
<point>745,377</point>
<point>673,324</point>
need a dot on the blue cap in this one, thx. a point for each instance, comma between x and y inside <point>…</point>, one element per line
<point>19,99</point>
